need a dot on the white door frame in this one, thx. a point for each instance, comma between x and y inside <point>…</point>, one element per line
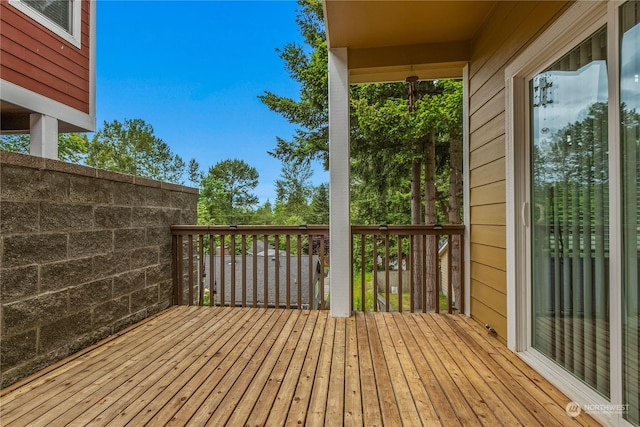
<point>575,25</point>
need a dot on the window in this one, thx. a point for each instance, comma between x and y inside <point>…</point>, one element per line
<point>60,16</point>
<point>59,11</point>
<point>569,227</point>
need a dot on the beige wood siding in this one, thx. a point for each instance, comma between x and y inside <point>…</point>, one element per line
<point>512,27</point>
<point>33,57</point>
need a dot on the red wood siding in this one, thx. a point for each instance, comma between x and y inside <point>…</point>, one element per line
<point>33,57</point>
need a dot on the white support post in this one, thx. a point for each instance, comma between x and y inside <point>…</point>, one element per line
<point>339,184</point>
<point>44,136</point>
<point>466,191</point>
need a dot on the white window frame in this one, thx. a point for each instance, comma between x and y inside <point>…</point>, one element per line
<point>575,25</point>
<point>73,36</point>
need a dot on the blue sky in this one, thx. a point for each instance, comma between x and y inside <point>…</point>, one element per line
<point>193,70</point>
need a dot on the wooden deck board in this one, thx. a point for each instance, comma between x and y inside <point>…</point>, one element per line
<point>157,386</point>
<point>406,406</point>
<point>371,414</point>
<point>258,409</point>
<point>352,390</point>
<point>318,401</point>
<point>390,413</point>
<point>426,412</point>
<point>434,390</point>
<point>502,392</point>
<point>442,376</point>
<point>277,414</point>
<point>164,393</point>
<point>247,366</point>
<point>300,404</point>
<point>158,374</point>
<point>26,396</point>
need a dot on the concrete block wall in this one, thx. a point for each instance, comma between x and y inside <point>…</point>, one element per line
<point>84,253</point>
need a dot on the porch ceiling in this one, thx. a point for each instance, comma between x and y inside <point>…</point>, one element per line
<point>390,40</point>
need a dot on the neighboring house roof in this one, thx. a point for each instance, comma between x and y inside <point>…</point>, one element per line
<point>306,273</point>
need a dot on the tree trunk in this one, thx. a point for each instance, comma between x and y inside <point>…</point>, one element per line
<point>430,218</point>
<point>416,218</point>
<point>455,200</point>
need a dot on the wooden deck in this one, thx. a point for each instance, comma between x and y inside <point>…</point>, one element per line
<point>237,366</point>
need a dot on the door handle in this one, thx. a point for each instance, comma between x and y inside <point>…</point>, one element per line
<point>523,213</point>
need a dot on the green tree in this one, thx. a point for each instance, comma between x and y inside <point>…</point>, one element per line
<point>264,214</point>
<point>195,175</point>
<point>320,205</point>
<point>131,147</point>
<point>294,188</point>
<point>72,147</point>
<point>227,191</point>
<point>307,65</point>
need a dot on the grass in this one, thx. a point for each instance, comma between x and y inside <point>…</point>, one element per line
<point>369,298</point>
<point>357,292</point>
<point>393,298</point>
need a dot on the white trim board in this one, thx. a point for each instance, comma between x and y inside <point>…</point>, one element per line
<point>466,191</point>
<point>73,37</point>
<point>37,103</point>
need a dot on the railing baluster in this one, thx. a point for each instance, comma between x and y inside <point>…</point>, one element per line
<point>411,274</point>
<point>288,270</point>
<point>265,276</point>
<point>362,273</point>
<point>178,268</point>
<point>449,284</point>
<point>200,270</point>
<point>423,285</point>
<point>276,271</point>
<point>375,272</point>
<point>436,297</point>
<point>232,252</point>
<point>190,266</point>
<point>255,270</point>
<point>221,286</point>
<point>299,276</point>
<point>310,257</point>
<point>244,269</point>
<point>321,260</point>
<point>212,270</point>
<point>387,268</point>
<point>461,261</point>
<point>400,270</point>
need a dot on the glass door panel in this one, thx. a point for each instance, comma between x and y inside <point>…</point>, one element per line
<point>630,149</point>
<point>570,211</point>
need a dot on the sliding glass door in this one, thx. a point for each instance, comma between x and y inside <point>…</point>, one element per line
<point>579,174</point>
<point>630,160</point>
<point>570,212</point>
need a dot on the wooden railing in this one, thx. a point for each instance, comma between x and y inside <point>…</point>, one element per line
<point>408,268</point>
<point>256,266</point>
<point>395,267</point>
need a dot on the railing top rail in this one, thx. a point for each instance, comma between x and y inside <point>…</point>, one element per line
<point>405,230</point>
<point>431,229</point>
<point>250,229</point>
